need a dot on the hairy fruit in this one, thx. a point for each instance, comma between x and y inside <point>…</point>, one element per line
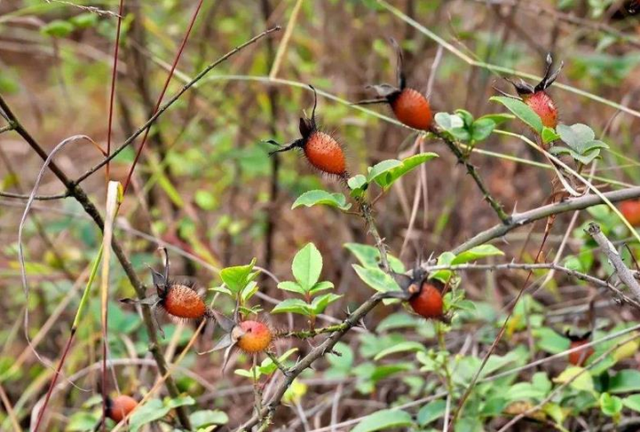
<point>177,299</point>
<point>321,150</point>
<point>424,295</point>
<point>631,211</point>
<point>254,337</point>
<point>183,301</point>
<point>408,105</point>
<point>428,301</point>
<point>119,407</point>
<point>537,98</point>
<point>412,109</point>
<point>580,357</point>
<point>542,104</point>
<point>324,153</point>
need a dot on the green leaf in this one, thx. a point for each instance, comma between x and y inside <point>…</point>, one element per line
<point>477,253</point>
<point>267,367</point>
<point>204,418</point>
<point>249,291</point>
<point>346,358</point>
<point>384,420</point>
<point>610,405</point>
<point>237,278</point>
<point>466,117</point>
<point>460,134</point>
<point>524,391</point>
<point>549,341</point>
<point>583,382</point>
<point>387,172</point>
<point>554,411</point>
<point>558,151</point>
<point>625,381</point>
<point>307,265</point>
<point>587,158</point>
<point>522,111</point>
<point>431,412</point>
<point>57,28</point>
<point>153,410</point>
<point>576,136</point>
<point>549,135</point>
<point>320,197</point>
<point>376,279</point>
<point>401,347</point>
<point>481,129</point>
<point>358,185</point>
<point>443,275</point>
<point>291,286</point>
<point>319,304</point>
<point>82,421</point>
<point>357,182</point>
<point>541,381</point>
<point>244,373</point>
<point>498,119</point>
<point>321,286</point>
<point>84,20</point>
<point>296,306</point>
<point>205,200</point>
<point>595,144</point>
<point>179,401</point>
<point>369,256</point>
<point>447,121</point>
<point>632,402</point>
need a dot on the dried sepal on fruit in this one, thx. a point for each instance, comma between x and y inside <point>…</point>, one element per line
<point>424,295</point>
<point>322,150</point>
<point>251,336</point>
<point>409,106</point>
<point>180,300</point>
<point>579,357</point>
<point>536,97</point>
<point>119,407</point>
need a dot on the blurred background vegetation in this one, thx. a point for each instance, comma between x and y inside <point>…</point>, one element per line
<point>207,188</point>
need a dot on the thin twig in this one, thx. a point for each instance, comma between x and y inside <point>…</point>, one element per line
<point>36,197</point>
<point>82,198</point>
<point>623,272</point>
<point>171,101</point>
<point>561,387</point>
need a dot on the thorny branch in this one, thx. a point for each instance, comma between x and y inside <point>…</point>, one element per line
<point>266,413</point>
<point>623,272</point>
<point>473,172</point>
<point>520,219</point>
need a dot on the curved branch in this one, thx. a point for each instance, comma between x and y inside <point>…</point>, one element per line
<point>520,219</point>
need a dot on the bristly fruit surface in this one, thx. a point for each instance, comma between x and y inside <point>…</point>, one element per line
<point>119,407</point>
<point>321,150</point>
<point>325,154</point>
<point>412,109</point>
<point>183,301</point>
<point>537,98</point>
<point>256,336</point>
<point>428,301</point>
<point>409,106</point>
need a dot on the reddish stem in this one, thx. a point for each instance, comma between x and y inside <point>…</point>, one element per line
<point>54,379</point>
<point>113,81</point>
<point>166,85</point>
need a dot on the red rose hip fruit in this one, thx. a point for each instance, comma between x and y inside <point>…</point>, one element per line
<point>119,407</point>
